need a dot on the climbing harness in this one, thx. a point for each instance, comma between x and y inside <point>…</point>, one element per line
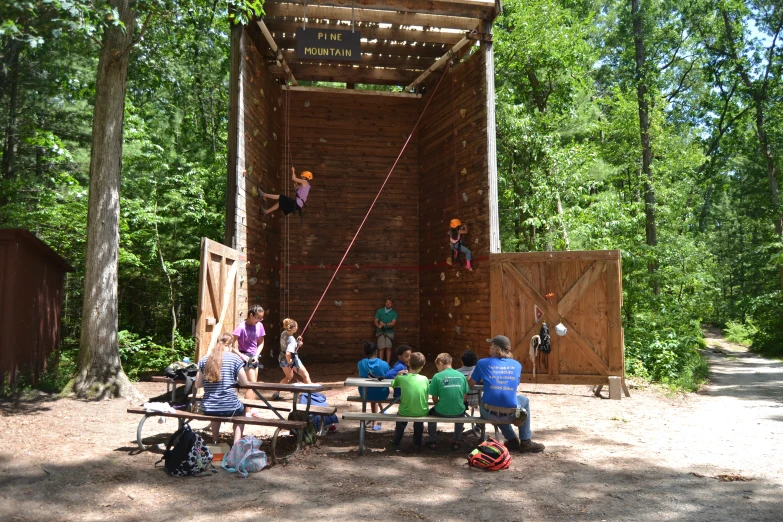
<point>372,205</point>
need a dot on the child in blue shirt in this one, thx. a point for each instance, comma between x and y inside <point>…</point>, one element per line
<point>372,366</point>
<point>403,359</point>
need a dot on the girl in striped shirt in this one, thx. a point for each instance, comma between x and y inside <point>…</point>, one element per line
<point>219,373</point>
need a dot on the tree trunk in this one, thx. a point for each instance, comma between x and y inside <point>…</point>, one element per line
<point>100,372</point>
<point>650,228</point>
<point>10,142</point>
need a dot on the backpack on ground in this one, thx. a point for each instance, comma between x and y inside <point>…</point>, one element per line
<point>245,457</point>
<point>310,433</point>
<point>186,454</point>
<point>490,455</point>
<point>318,399</point>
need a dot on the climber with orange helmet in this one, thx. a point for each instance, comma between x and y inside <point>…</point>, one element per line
<point>457,230</point>
<point>302,185</point>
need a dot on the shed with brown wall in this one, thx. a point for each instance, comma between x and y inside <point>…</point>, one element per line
<point>31,291</point>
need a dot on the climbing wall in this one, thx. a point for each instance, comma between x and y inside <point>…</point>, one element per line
<point>259,157</point>
<point>454,303</point>
<point>349,140</point>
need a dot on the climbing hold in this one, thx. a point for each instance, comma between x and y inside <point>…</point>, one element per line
<point>449,261</point>
<point>457,273</point>
<point>274,135</point>
<point>255,132</point>
<point>321,266</point>
<point>451,316</point>
<point>458,329</point>
<point>388,144</point>
<point>456,301</point>
<point>356,265</point>
<point>262,92</point>
<point>250,169</point>
<point>338,303</point>
<point>462,113</point>
<point>307,103</point>
<point>265,143</point>
<point>258,267</point>
<point>428,302</point>
<point>442,276</point>
<point>464,197</point>
<point>254,191</point>
<point>464,144</point>
<point>480,192</point>
<point>464,172</point>
<point>476,241</point>
<point>322,140</point>
<point>253,280</point>
<point>255,102</point>
<point>355,290</point>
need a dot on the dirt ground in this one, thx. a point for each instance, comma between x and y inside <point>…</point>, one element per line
<point>655,456</point>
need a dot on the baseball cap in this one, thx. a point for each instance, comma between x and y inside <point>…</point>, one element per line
<point>501,341</point>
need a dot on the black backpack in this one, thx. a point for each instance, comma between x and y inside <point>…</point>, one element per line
<point>309,436</point>
<point>180,369</point>
<point>186,454</point>
<point>546,341</point>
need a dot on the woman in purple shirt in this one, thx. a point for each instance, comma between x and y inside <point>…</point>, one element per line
<point>287,204</point>
<point>249,337</point>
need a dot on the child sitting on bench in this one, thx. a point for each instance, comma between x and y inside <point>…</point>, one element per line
<point>413,401</point>
<point>403,358</point>
<point>449,390</point>
<point>372,366</point>
<point>218,373</point>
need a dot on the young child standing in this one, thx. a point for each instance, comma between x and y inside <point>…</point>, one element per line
<point>289,360</point>
<point>469,361</point>
<point>286,203</point>
<point>249,337</point>
<point>218,373</point>
<point>403,358</point>
<point>413,402</point>
<point>372,366</point>
<point>458,229</point>
<point>449,390</point>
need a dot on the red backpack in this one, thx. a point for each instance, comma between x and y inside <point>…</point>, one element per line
<point>490,455</point>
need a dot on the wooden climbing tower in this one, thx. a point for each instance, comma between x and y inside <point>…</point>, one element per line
<point>348,135</point>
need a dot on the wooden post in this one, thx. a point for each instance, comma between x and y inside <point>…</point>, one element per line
<point>438,64</point>
<point>273,46</point>
<point>234,99</point>
<point>492,162</point>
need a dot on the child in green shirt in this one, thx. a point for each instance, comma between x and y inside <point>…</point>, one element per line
<point>413,401</point>
<point>449,390</point>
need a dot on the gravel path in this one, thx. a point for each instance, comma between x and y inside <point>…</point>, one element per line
<point>709,456</point>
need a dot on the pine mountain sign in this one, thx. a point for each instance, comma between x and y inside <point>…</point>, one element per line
<point>328,44</point>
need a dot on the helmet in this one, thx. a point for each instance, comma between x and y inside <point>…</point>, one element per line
<point>454,223</point>
<point>307,175</point>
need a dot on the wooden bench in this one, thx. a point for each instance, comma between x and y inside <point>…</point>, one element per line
<point>389,400</point>
<point>363,418</point>
<point>318,411</point>
<point>183,416</point>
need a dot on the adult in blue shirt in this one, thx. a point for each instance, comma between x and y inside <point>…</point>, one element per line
<point>500,374</point>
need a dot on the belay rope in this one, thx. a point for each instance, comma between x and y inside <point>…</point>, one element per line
<point>432,96</point>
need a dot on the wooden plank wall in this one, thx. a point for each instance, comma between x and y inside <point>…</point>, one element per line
<point>454,303</point>
<point>260,156</point>
<point>350,141</point>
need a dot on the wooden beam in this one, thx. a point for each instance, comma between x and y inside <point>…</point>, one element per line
<point>351,74</point>
<point>361,92</point>
<point>371,60</point>
<point>431,50</point>
<point>492,155</point>
<point>481,9</point>
<point>371,33</point>
<point>315,12</point>
<point>570,255</point>
<point>276,50</point>
<point>438,64</point>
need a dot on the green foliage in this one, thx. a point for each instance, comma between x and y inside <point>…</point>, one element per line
<point>740,333</point>
<point>140,355</point>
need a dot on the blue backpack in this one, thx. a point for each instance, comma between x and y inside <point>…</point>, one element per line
<point>318,399</point>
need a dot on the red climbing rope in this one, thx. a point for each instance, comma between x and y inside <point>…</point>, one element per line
<point>373,203</point>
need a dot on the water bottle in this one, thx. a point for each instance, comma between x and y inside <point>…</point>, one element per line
<point>186,360</point>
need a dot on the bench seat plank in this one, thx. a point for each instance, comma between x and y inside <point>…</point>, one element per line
<point>275,423</point>
<point>397,418</point>
<point>286,406</point>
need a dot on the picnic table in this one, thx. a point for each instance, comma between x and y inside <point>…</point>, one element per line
<point>296,389</point>
<point>364,383</point>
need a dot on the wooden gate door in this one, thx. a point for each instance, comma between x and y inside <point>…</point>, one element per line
<point>581,290</point>
<point>217,294</point>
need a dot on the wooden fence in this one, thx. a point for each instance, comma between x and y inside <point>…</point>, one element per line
<point>581,290</point>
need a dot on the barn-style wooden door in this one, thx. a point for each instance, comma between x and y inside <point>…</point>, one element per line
<point>581,290</point>
<point>217,294</point>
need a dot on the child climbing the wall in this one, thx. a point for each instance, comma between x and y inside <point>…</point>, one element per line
<point>287,204</point>
<point>458,229</point>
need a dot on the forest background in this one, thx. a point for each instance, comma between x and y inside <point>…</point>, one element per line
<point>650,126</point>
